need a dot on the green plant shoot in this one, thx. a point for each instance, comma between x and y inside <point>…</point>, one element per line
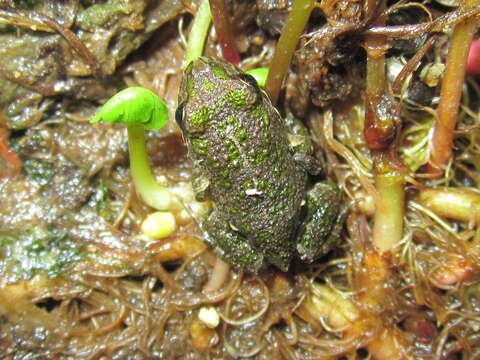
<point>139,109</point>
<point>260,74</point>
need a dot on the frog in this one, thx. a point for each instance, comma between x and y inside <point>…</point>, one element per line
<point>256,169</point>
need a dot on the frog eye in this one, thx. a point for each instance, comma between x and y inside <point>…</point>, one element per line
<point>179,115</point>
<point>249,79</point>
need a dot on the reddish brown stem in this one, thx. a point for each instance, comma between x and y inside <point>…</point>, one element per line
<point>447,112</point>
<point>378,130</point>
<point>221,21</point>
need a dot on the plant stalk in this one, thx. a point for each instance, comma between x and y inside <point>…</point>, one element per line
<point>441,144</point>
<point>296,21</point>
<point>198,33</point>
<point>149,190</point>
<point>388,221</point>
<point>223,28</point>
<point>380,130</point>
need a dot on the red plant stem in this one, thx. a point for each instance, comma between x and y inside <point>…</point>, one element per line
<point>441,143</point>
<point>221,21</point>
<point>377,132</point>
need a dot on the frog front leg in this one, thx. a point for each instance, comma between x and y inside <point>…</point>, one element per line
<point>200,185</point>
<point>232,246</point>
<point>321,228</point>
<point>301,146</point>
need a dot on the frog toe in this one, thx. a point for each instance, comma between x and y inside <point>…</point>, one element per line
<point>323,224</point>
<point>234,248</point>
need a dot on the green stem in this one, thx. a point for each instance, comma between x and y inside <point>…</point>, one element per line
<point>198,33</point>
<point>296,21</point>
<point>379,135</point>
<point>149,190</point>
<point>388,222</point>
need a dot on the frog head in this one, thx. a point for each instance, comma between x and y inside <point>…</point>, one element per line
<point>210,92</point>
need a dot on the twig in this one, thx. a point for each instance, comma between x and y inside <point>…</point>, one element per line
<point>415,30</point>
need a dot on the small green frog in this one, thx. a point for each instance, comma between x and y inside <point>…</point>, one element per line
<point>255,170</point>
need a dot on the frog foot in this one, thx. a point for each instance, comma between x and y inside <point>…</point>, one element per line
<point>232,246</point>
<point>323,224</point>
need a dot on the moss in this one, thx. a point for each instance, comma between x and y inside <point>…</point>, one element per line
<point>200,118</point>
<point>260,113</point>
<point>219,72</point>
<point>103,202</point>
<point>241,134</point>
<point>277,171</point>
<point>264,236</point>
<point>233,154</point>
<point>248,184</point>
<point>44,250</point>
<point>208,85</point>
<point>200,146</point>
<point>258,156</point>
<point>224,184</point>
<point>224,173</point>
<point>39,171</point>
<point>236,99</point>
<point>244,227</point>
<point>251,156</point>
<point>232,121</point>
<point>262,185</point>
<point>266,139</point>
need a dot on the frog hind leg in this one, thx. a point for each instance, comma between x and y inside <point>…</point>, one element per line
<point>232,246</point>
<point>323,224</point>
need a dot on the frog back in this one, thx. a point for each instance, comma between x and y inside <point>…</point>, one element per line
<point>239,143</point>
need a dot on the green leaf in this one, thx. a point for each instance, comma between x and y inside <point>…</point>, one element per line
<point>134,105</point>
<point>260,74</point>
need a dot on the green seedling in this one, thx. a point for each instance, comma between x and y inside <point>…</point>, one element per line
<point>134,105</point>
<point>139,109</point>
